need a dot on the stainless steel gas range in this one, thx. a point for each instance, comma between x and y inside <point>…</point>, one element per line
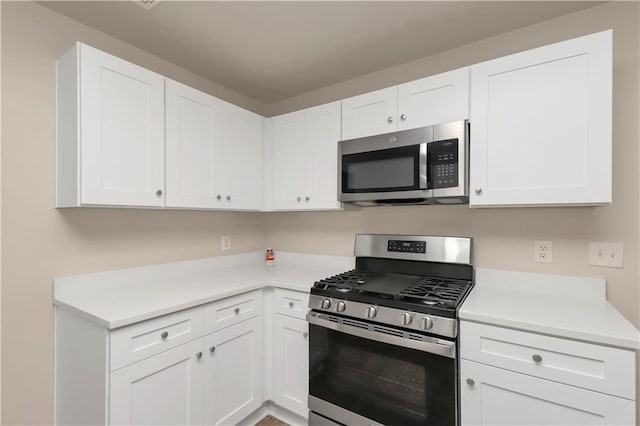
<point>383,337</point>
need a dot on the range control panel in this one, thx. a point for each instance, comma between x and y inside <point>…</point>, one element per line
<point>407,246</point>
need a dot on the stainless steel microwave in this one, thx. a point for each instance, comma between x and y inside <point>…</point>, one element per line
<point>428,165</point>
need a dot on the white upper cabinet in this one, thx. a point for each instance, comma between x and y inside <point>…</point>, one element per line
<point>541,125</point>
<point>305,145</point>
<point>432,100</point>
<point>214,152</point>
<point>110,133</point>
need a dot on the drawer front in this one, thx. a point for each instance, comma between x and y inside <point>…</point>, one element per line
<point>232,310</point>
<point>138,341</point>
<point>292,303</point>
<point>589,366</point>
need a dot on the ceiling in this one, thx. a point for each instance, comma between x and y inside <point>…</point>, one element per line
<point>271,51</point>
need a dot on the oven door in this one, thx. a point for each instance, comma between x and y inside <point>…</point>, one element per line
<point>362,373</point>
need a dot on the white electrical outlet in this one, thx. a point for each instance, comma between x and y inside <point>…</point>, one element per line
<point>542,252</point>
<point>225,243</point>
<point>609,255</point>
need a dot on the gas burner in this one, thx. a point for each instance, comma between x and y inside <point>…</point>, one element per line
<point>347,281</point>
<point>447,293</point>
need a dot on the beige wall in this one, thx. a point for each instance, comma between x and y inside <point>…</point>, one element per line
<point>40,242</point>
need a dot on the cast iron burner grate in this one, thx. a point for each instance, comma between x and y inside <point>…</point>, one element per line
<point>446,293</point>
<point>346,281</point>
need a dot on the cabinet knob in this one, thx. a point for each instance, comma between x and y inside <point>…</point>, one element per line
<point>199,355</point>
<point>307,198</point>
<point>159,192</point>
<point>164,334</point>
<point>403,117</point>
<point>291,304</point>
<point>299,199</point>
<point>478,190</point>
<point>537,358</point>
<point>389,119</point>
<point>218,197</point>
<point>228,198</point>
<point>212,349</point>
<point>471,382</point>
<point>237,311</point>
<point>305,334</point>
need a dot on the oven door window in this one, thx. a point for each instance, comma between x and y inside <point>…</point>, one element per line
<point>388,384</point>
<point>386,170</point>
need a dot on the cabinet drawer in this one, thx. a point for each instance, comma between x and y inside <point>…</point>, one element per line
<point>226,312</point>
<point>292,303</point>
<point>590,366</point>
<point>141,340</point>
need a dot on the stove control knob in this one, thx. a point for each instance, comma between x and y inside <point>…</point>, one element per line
<point>405,318</point>
<point>427,323</point>
<point>371,312</point>
<point>341,306</point>
<point>326,303</point>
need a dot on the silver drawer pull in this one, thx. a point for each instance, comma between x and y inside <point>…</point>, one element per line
<point>164,334</point>
<point>291,304</point>
<point>471,382</point>
<point>237,311</point>
<point>199,355</point>
<point>305,334</point>
<point>212,349</point>
<point>537,358</point>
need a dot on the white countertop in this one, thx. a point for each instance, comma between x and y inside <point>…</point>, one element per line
<point>568,307</point>
<point>118,298</point>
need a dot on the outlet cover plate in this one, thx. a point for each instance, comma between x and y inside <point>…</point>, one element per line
<point>542,251</point>
<point>609,255</point>
<point>225,243</point>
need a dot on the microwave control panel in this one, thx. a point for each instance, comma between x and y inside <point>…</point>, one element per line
<point>443,164</point>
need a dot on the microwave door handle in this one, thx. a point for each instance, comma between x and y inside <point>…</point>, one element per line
<point>432,345</point>
<point>423,165</point>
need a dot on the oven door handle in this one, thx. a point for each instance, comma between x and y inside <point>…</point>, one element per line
<point>428,344</point>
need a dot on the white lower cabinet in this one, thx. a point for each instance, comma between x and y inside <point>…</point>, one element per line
<point>165,389</point>
<point>291,364</point>
<point>498,397</point>
<point>233,372</point>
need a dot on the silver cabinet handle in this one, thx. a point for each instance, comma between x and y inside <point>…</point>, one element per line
<point>164,334</point>
<point>228,198</point>
<point>159,192</point>
<point>403,117</point>
<point>212,349</point>
<point>299,199</point>
<point>471,382</point>
<point>218,197</point>
<point>305,334</point>
<point>307,198</point>
<point>537,358</point>
<point>199,355</point>
<point>291,304</point>
<point>478,190</point>
<point>389,119</point>
<point>237,311</point>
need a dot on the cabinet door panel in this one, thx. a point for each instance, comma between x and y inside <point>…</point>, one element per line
<point>195,152</point>
<point>291,369</point>
<point>322,133</point>
<point>165,389</point>
<point>503,398</point>
<point>243,137</point>
<point>233,371</point>
<point>122,132</point>
<point>541,125</point>
<point>370,114</point>
<point>288,161</point>
<point>434,100</point>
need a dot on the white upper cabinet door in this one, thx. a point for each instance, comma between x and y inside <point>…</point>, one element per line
<point>288,161</point>
<point>370,114</point>
<point>243,142</point>
<point>166,389</point>
<point>541,126</point>
<point>433,100</point>
<point>492,396</point>
<point>195,151</point>
<point>322,133</point>
<point>121,132</point>
<point>233,372</point>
